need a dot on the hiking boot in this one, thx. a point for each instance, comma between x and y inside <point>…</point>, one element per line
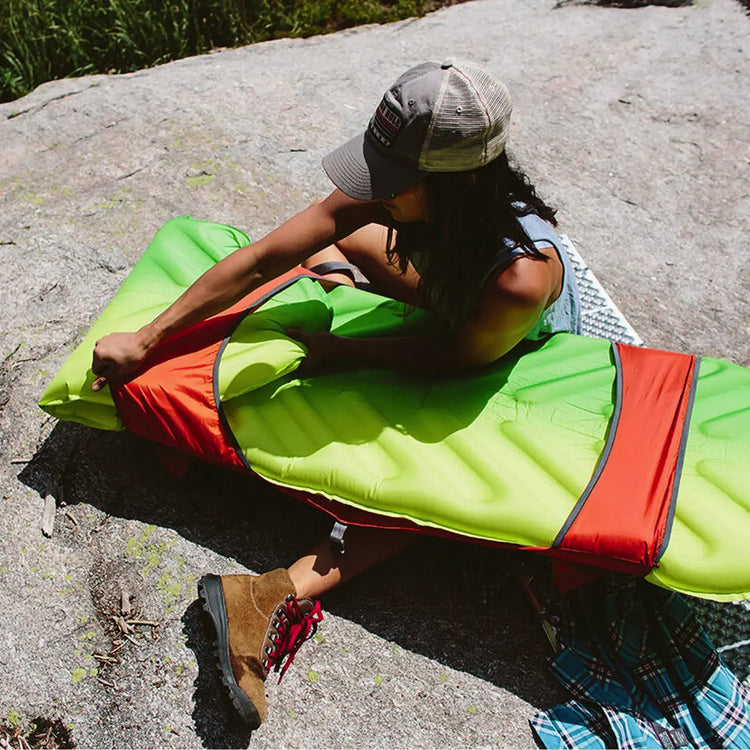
<point>260,624</point>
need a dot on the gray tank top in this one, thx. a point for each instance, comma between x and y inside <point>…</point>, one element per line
<point>564,314</point>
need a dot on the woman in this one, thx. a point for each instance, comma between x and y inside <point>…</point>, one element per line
<point>428,207</point>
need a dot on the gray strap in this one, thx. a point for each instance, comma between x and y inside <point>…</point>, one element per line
<point>335,266</point>
<point>336,537</point>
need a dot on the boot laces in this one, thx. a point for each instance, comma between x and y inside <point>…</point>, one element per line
<point>292,629</point>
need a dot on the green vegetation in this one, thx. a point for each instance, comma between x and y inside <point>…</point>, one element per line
<point>41,40</point>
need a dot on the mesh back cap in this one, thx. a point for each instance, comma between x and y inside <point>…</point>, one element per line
<point>448,117</point>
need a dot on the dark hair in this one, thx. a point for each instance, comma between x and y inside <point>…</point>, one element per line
<point>472,214</point>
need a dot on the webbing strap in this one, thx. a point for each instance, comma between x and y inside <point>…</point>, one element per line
<point>335,266</point>
<point>626,511</point>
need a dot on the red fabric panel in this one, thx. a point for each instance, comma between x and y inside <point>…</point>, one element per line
<point>626,513</point>
<point>171,400</point>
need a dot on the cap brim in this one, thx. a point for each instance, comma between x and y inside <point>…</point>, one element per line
<point>361,171</point>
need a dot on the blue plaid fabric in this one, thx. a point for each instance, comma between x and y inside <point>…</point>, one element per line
<point>642,673</point>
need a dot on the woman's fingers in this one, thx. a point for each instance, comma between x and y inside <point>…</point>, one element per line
<point>307,365</point>
<point>116,357</point>
<point>298,335</point>
<point>318,350</point>
<point>98,384</point>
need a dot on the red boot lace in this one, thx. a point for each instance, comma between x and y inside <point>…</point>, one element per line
<point>293,630</point>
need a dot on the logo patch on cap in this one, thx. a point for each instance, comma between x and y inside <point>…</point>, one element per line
<point>385,124</point>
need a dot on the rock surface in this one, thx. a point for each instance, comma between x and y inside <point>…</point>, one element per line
<point>633,122</point>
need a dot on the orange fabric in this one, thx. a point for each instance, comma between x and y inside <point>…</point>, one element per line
<point>171,400</point>
<point>626,514</point>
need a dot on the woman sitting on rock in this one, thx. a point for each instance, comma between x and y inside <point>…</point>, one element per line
<point>429,209</point>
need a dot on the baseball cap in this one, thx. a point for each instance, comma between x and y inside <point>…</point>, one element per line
<point>437,117</point>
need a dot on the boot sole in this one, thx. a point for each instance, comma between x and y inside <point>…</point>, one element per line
<point>212,594</point>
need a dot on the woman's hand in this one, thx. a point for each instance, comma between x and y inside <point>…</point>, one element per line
<point>116,357</point>
<point>323,350</point>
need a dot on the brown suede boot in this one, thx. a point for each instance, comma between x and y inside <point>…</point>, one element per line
<point>259,624</point>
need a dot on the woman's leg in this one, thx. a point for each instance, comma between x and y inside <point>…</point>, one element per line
<point>324,568</point>
<point>330,254</point>
<point>261,621</point>
<point>366,249</point>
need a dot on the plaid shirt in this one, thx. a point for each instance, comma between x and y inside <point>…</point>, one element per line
<point>642,673</point>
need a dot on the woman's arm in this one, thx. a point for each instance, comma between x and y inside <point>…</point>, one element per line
<point>422,355</point>
<point>509,305</point>
<point>118,355</point>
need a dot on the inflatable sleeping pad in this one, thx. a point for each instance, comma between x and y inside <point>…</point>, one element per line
<point>623,457</point>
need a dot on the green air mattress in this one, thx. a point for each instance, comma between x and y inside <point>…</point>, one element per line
<point>622,457</point>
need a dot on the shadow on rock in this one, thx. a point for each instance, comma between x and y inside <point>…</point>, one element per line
<point>461,605</point>
<point>216,721</point>
<point>446,600</point>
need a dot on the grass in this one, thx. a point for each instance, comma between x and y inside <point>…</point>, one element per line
<point>41,40</point>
